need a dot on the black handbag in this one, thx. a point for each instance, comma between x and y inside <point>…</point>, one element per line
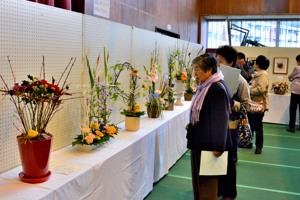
<point>244,130</point>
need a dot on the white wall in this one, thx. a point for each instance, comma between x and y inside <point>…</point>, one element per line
<point>271,53</point>
<point>29,31</point>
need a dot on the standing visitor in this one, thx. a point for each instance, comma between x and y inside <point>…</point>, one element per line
<point>208,127</point>
<point>227,56</point>
<point>259,92</point>
<point>245,67</point>
<point>294,77</point>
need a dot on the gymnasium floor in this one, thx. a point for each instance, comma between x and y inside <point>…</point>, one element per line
<point>274,174</point>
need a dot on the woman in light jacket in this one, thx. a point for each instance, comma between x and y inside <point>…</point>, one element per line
<point>259,92</point>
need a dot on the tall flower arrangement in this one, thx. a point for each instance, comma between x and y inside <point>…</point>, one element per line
<point>96,128</point>
<point>129,97</point>
<point>155,97</point>
<point>181,58</point>
<point>171,74</point>
<point>37,100</point>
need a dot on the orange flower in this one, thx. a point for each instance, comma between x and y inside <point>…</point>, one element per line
<point>111,129</point>
<point>89,138</point>
<point>183,76</point>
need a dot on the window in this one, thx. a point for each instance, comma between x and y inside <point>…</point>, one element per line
<point>254,33</point>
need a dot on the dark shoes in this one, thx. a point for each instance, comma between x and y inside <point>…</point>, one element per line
<point>257,150</point>
<point>291,130</point>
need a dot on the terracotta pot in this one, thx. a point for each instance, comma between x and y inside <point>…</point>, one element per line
<point>153,112</point>
<point>132,123</point>
<point>188,96</point>
<point>35,156</point>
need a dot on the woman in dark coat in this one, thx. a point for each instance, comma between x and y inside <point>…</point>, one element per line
<point>208,127</point>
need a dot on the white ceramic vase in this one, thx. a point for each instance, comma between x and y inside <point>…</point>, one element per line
<point>178,92</point>
<point>86,148</point>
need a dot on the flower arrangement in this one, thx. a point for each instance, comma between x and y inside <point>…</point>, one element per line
<point>155,98</point>
<point>189,86</point>
<point>96,128</point>
<point>133,108</point>
<point>280,87</point>
<point>183,59</point>
<point>171,71</point>
<point>37,100</point>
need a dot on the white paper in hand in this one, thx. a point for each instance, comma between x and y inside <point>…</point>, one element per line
<point>231,76</point>
<point>211,165</point>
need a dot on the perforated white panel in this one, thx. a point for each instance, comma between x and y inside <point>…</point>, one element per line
<point>29,31</point>
<point>116,38</point>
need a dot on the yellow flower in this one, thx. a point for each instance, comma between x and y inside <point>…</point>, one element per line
<point>137,106</point>
<point>99,133</point>
<point>85,129</point>
<point>111,129</point>
<point>95,125</point>
<point>32,133</point>
<point>97,137</point>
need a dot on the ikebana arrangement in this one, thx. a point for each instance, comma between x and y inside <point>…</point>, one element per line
<point>36,101</point>
<point>171,74</point>
<point>132,111</point>
<point>155,100</point>
<point>96,128</point>
<point>280,87</point>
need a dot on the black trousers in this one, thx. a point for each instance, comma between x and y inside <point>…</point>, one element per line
<point>256,125</point>
<point>227,183</point>
<point>294,103</point>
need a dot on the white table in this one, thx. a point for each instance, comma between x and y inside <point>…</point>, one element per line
<point>124,168</point>
<point>279,109</point>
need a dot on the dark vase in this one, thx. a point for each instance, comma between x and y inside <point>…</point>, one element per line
<point>153,112</point>
<point>188,96</point>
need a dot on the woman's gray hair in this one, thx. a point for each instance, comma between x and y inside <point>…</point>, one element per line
<point>206,61</point>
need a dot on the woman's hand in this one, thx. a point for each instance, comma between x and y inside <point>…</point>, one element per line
<point>187,126</point>
<point>217,153</point>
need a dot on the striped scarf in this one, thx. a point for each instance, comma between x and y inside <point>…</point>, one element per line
<point>198,99</point>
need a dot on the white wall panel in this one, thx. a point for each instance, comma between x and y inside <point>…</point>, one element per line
<point>116,38</point>
<point>29,31</point>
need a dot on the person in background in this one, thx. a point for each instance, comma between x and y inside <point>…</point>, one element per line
<point>245,67</point>
<point>259,92</point>
<point>208,127</point>
<point>294,77</point>
<point>227,55</point>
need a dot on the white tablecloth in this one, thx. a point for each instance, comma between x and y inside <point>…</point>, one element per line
<point>279,109</point>
<point>124,168</point>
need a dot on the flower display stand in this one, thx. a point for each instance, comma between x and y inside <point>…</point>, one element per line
<point>35,156</point>
<point>188,96</point>
<point>132,123</point>
<point>179,93</point>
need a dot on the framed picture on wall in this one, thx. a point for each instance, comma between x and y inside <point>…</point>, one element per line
<point>280,65</point>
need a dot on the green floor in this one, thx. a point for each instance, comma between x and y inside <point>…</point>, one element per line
<point>275,174</point>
